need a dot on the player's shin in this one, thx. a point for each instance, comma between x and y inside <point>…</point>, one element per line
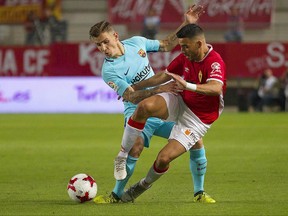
<point>132,130</point>
<point>120,184</point>
<point>198,163</point>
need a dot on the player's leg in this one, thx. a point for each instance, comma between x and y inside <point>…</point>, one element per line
<point>170,152</point>
<point>118,189</point>
<point>134,154</point>
<point>131,161</point>
<point>198,167</point>
<point>197,158</point>
<point>154,106</point>
<point>198,163</point>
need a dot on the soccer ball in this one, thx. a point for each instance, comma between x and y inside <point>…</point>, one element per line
<point>82,188</point>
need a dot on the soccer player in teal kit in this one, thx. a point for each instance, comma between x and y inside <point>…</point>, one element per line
<point>127,63</point>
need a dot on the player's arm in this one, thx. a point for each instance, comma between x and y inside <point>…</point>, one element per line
<point>212,87</point>
<point>136,96</point>
<point>191,16</point>
<point>158,79</point>
<point>123,89</point>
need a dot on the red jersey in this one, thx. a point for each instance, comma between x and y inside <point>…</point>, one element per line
<point>211,67</point>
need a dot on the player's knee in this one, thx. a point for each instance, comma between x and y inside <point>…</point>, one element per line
<point>145,108</point>
<point>163,161</point>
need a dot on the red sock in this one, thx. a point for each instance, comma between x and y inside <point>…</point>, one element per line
<point>135,124</point>
<point>159,170</point>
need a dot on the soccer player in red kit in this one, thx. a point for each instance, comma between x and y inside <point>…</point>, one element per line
<point>200,73</point>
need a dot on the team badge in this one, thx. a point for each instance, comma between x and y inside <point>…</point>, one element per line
<point>216,67</point>
<point>200,75</point>
<point>142,53</point>
<point>113,85</point>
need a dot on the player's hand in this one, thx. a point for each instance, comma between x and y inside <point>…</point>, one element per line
<point>179,80</point>
<point>193,13</point>
<point>171,87</point>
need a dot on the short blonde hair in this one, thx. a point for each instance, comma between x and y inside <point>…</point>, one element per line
<point>99,28</point>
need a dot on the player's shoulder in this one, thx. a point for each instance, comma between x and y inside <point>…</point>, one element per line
<point>214,55</point>
<point>108,63</point>
<point>134,40</point>
<point>107,66</point>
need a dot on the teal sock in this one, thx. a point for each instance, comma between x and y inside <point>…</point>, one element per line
<point>198,163</point>
<point>120,184</point>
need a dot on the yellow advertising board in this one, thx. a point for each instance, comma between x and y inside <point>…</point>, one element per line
<point>17,14</point>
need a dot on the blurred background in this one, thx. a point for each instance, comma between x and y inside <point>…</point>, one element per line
<point>47,63</point>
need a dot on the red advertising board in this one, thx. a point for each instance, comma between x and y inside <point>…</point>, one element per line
<point>255,13</point>
<point>132,12</point>
<point>242,60</point>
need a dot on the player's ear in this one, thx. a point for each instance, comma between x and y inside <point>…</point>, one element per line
<point>199,44</point>
<point>116,35</point>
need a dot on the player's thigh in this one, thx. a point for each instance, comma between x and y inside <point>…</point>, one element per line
<point>172,105</point>
<point>154,106</point>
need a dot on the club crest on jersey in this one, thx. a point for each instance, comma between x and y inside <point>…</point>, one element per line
<point>142,53</point>
<point>113,85</point>
<point>200,75</point>
<point>216,67</point>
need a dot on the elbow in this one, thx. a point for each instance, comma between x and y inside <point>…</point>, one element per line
<point>214,92</point>
<point>218,92</point>
<point>217,89</point>
<point>135,101</point>
<point>169,47</point>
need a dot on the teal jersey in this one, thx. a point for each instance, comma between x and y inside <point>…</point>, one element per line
<point>130,68</point>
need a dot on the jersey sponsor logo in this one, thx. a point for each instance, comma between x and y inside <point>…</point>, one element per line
<point>127,71</point>
<point>142,53</point>
<point>186,69</point>
<point>216,68</point>
<point>113,85</point>
<point>142,75</point>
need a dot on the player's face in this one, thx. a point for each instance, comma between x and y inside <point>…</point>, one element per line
<point>107,43</point>
<point>190,48</point>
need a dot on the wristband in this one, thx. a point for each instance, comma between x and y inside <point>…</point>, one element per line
<point>191,86</point>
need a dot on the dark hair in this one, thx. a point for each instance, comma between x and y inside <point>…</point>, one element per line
<point>99,28</point>
<point>190,31</point>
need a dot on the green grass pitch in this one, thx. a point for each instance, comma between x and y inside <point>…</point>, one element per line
<point>247,166</point>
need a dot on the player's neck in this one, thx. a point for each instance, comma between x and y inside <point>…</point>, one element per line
<point>121,50</point>
<point>205,52</point>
